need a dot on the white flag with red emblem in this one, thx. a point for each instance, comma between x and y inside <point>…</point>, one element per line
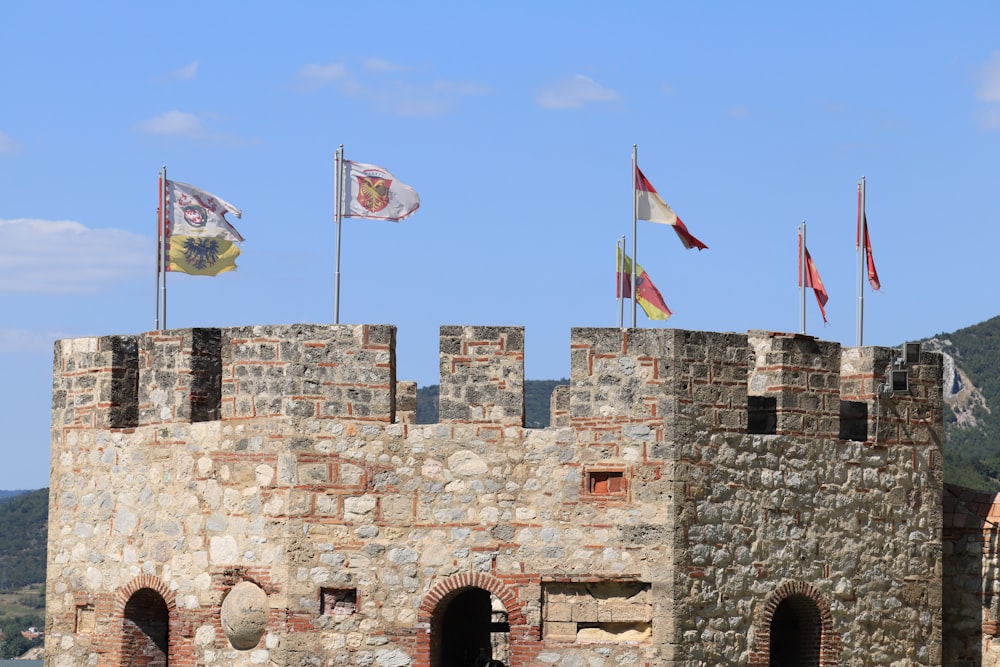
<point>193,212</point>
<point>373,192</point>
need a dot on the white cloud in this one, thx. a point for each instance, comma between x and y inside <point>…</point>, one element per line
<point>186,72</point>
<point>184,126</point>
<point>989,118</point>
<point>8,146</point>
<point>18,341</point>
<point>322,75</point>
<point>63,256</point>
<point>574,93</point>
<point>174,124</point>
<point>393,96</point>
<point>374,64</point>
<point>988,93</point>
<point>989,85</point>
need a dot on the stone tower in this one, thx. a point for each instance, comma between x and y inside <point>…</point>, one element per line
<point>261,496</point>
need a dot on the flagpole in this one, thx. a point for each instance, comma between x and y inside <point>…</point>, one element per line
<point>635,216</point>
<point>860,246</point>
<point>619,279</point>
<point>159,251</point>
<point>161,259</point>
<point>802,277</point>
<point>337,219</point>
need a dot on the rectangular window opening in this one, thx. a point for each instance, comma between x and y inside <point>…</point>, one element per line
<point>338,601</point>
<point>762,415</point>
<point>854,421</point>
<point>605,482</point>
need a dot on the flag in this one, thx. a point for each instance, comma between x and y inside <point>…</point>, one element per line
<point>201,256</point>
<point>812,279</point>
<point>863,232</point>
<point>649,206</point>
<point>872,273</point>
<point>648,296</point>
<point>373,192</point>
<point>191,211</point>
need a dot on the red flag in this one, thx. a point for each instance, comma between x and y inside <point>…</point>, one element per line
<point>863,232</point>
<point>872,273</point>
<point>812,279</point>
<point>650,206</point>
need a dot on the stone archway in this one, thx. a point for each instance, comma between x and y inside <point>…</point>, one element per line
<point>796,628</point>
<point>145,608</point>
<point>463,621</point>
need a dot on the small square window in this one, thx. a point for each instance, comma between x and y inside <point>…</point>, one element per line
<point>605,482</point>
<point>338,601</point>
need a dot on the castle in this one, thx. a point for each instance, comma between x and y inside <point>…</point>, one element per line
<point>262,496</point>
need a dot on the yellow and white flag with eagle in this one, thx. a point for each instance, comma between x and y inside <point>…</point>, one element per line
<point>373,192</point>
<point>201,242</point>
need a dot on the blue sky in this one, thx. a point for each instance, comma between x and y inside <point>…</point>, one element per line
<point>515,123</point>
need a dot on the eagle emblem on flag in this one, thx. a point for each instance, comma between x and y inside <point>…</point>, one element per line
<point>373,192</point>
<point>201,253</point>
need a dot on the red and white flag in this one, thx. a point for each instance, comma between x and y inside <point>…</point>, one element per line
<point>651,207</point>
<point>373,192</point>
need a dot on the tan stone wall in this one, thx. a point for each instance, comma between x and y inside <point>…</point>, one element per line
<point>647,507</point>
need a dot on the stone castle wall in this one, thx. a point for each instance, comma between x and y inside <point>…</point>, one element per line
<point>261,495</point>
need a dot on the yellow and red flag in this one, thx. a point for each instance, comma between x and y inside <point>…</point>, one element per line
<point>647,295</point>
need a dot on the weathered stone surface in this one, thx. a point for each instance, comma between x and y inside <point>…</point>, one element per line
<point>272,484</point>
<point>243,615</point>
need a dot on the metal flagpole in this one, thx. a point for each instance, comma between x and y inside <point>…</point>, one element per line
<point>860,245</point>
<point>802,277</point>
<point>159,267</point>
<point>619,275</point>
<point>159,251</point>
<point>337,216</point>
<point>161,260</point>
<point>635,216</point>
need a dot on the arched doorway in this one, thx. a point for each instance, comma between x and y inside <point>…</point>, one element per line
<point>145,630</point>
<point>796,633</point>
<point>469,629</point>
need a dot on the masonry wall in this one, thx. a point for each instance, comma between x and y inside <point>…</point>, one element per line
<point>971,587</point>
<point>268,486</point>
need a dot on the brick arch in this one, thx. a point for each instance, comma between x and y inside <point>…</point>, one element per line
<point>124,650</point>
<point>445,590</point>
<point>829,649</point>
<point>125,593</point>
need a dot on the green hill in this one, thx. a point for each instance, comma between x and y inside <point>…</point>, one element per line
<point>972,393</point>
<point>23,536</point>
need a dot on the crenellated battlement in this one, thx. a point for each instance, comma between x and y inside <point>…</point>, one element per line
<point>675,381</point>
